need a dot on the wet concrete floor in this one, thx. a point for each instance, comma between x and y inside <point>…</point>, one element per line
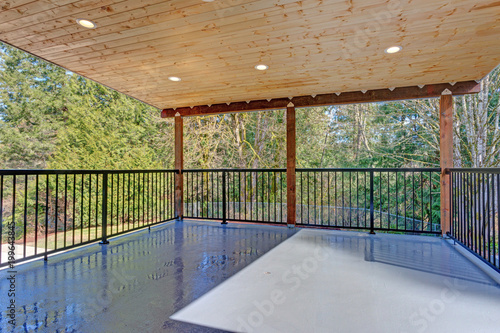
<point>137,282</point>
<point>345,281</point>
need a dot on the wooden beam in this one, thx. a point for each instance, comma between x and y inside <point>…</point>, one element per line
<point>179,165</point>
<point>290,165</point>
<point>380,95</point>
<point>446,156</point>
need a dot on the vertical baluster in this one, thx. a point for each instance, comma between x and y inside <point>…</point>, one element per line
<point>268,198</point>
<point>342,185</point>
<point>380,199</point>
<point>302,198</point>
<point>454,228</point>
<point>488,217</point>
<point>350,199</point>
<point>357,198</point>
<point>96,203</point>
<point>47,215</point>
<point>336,198</point>
<point>430,200</point>
<point>82,185</point>
<point>328,194</point>
<point>482,199</point>
<point>56,211</point>
<point>422,200</point>
<point>128,201</point>
<point>142,197</point>
<point>90,205</point>
<point>212,188</point>
<point>468,204</point>
<point>1,212</point>
<point>65,206</point>
<point>315,205</point>
<point>404,182</point>
<point>25,220</point>
<point>246,189</point>
<point>118,203</point>
<point>321,198</point>
<point>474,215</point>
<point>36,214</point>
<point>364,211</point>
<point>262,195</point>
<point>372,205</point>
<point>283,175</point>
<point>388,202</point>
<point>74,208</point>
<point>496,238</point>
<point>135,210</point>
<point>275,183</point>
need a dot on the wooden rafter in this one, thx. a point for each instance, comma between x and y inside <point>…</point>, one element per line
<point>380,95</point>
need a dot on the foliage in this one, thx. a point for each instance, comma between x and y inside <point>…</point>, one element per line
<point>51,118</point>
<point>33,106</point>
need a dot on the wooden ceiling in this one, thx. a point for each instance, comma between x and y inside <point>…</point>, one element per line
<point>311,46</point>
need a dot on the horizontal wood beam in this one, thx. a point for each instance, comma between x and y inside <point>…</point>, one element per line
<point>379,95</point>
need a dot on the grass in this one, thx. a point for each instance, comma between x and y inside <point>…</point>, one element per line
<point>63,239</point>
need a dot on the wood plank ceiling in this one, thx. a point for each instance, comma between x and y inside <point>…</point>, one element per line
<point>311,46</point>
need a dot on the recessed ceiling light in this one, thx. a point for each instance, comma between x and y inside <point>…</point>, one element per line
<point>86,23</point>
<point>261,67</point>
<point>174,78</point>
<point>208,0</point>
<point>393,49</point>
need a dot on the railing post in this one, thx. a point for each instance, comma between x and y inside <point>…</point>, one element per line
<point>224,202</point>
<point>372,210</point>
<point>104,223</point>
<point>445,156</point>
<point>179,165</point>
<point>291,195</point>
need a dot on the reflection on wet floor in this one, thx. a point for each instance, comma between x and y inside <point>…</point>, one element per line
<point>137,281</point>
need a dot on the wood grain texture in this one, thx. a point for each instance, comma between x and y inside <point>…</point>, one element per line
<point>459,88</point>
<point>311,46</point>
<point>291,195</point>
<point>179,165</point>
<point>446,158</point>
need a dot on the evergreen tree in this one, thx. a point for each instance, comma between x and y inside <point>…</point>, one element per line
<point>33,107</point>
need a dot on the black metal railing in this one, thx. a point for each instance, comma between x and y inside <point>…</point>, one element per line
<point>48,211</point>
<point>42,212</point>
<point>398,200</point>
<point>250,195</point>
<point>475,208</point>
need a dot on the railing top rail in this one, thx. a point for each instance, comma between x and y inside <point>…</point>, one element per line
<point>370,169</point>
<point>233,170</point>
<point>474,170</point>
<point>77,172</point>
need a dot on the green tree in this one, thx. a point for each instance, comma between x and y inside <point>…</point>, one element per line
<point>106,130</point>
<point>33,107</point>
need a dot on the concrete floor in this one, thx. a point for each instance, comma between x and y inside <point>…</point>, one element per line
<point>334,281</point>
<point>303,281</point>
<point>137,281</point>
<point>30,250</point>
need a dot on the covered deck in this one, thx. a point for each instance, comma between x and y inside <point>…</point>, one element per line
<point>199,276</point>
<point>195,58</point>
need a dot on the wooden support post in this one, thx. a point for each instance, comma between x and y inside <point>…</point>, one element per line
<point>179,165</point>
<point>446,156</point>
<point>290,165</point>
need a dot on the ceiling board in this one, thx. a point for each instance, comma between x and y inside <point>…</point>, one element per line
<point>311,46</point>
